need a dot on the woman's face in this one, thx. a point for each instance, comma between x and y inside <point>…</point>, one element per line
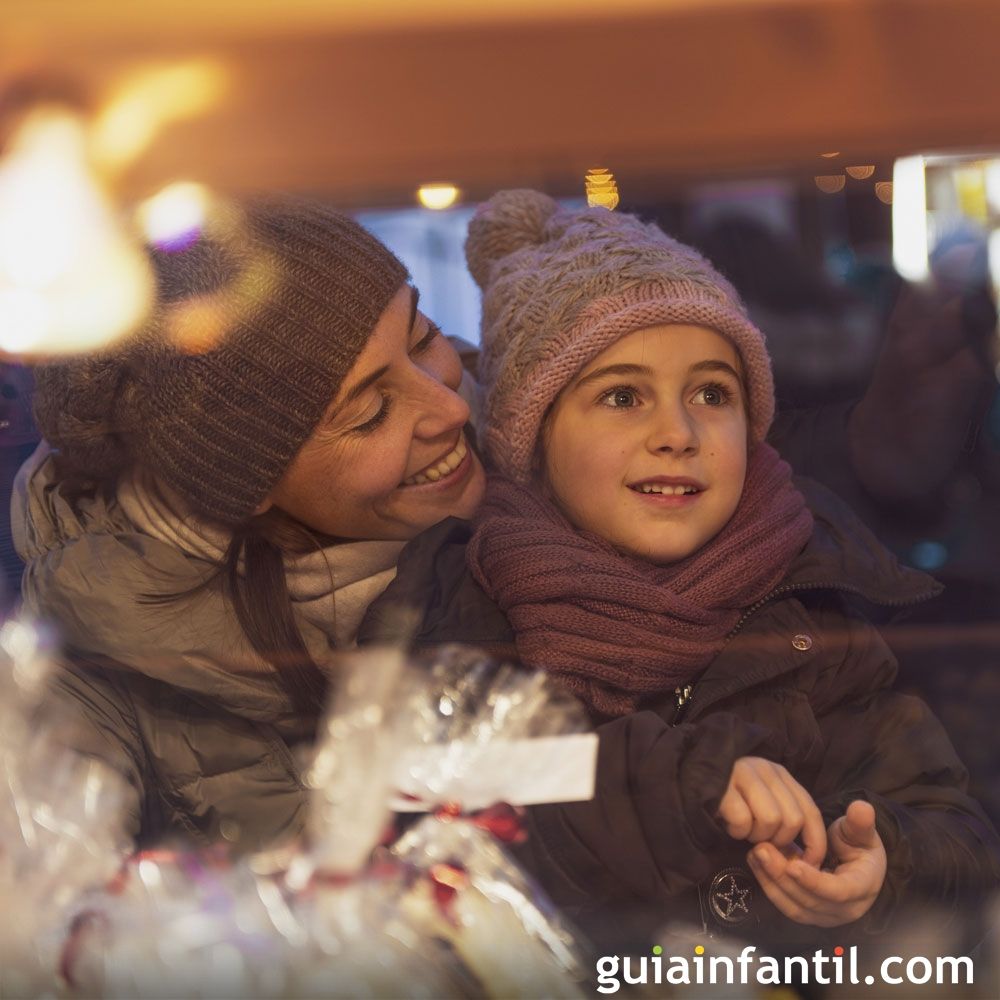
<point>647,446</point>
<point>389,458</point>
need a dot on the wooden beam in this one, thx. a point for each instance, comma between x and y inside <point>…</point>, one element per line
<point>661,94</point>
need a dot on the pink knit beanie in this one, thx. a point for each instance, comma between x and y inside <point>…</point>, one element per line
<point>559,286</point>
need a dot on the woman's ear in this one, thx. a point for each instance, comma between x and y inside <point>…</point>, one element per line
<point>265,505</point>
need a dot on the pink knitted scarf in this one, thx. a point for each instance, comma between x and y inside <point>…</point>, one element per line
<point>616,628</point>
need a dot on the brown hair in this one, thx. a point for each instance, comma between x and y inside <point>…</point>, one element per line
<point>259,596</point>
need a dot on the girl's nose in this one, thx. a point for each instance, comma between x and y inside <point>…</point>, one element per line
<point>673,431</point>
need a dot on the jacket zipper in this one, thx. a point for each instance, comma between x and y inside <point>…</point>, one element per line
<point>788,588</point>
<point>683,695</point>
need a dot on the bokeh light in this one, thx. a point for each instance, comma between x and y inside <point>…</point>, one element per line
<point>175,217</point>
<point>830,183</point>
<point>437,196</point>
<point>70,278</point>
<point>861,173</point>
<point>909,219</point>
<point>601,189</point>
<point>147,101</point>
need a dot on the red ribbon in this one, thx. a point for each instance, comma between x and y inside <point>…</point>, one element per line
<point>446,881</point>
<point>500,819</point>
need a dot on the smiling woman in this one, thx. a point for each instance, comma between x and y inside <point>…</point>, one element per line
<point>389,454</point>
<point>218,500</point>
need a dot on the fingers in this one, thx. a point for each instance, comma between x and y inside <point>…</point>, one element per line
<point>841,886</point>
<point>763,802</point>
<point>807,896</point>
<point>735,814</point>
<point>795,902</point>
<point>813,833</point>
<point>856,828</point>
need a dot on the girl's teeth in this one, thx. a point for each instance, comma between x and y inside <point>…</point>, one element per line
<point>667,490</point>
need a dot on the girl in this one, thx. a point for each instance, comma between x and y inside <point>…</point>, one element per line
<point>640,540</point>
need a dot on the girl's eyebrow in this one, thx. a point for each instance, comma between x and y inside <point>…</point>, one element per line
<point>715,366</point>
<point>599,373</point>
<point>628,369</point>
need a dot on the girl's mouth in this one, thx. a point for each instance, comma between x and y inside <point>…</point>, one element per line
<point>665,489</point>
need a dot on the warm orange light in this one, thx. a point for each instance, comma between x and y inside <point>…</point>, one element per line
<point>147,101</point>
<point>829,156</point>
<point>437,196</point>
<point>601,189</point>
<point>71,279</point>
<point>883,191</point>
<point>830,183</point>
<point>861,173</point>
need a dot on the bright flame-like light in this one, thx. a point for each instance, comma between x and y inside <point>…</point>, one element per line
<point>149,100</point>
<point>437,196</point>
<point>175,217</point>
<point>601,189</point>
<point>70,279</point>
<point>909,219</point>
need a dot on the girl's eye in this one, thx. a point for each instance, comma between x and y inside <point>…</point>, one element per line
<point>620,397</point>
<point>712,395</point>
<point>369,425</point>
<point>433,332</point>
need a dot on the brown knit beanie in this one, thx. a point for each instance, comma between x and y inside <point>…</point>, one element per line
<point>255,327</point>
<point>559,286</point>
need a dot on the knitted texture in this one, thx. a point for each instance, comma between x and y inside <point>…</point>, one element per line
<point>254,329</point>
<point>560,286</point>
<point>616,628</point>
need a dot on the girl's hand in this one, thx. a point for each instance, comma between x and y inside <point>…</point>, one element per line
<point>827,898</point>
<point>763,802</point>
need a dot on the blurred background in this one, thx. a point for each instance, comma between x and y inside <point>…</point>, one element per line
<point>838,160</point>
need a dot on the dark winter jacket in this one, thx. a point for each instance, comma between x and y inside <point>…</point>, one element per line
<point>805,681</point>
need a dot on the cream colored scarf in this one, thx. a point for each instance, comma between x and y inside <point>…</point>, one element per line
<point>330,588</point>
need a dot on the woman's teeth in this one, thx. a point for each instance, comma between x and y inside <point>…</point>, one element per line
<point>439,470</point>
<point>675,491</point>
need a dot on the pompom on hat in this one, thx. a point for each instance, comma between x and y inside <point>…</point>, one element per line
<point>559,286</point>
<point>255,328</point>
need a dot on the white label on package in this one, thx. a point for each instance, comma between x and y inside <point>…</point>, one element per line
<point>474,776</point>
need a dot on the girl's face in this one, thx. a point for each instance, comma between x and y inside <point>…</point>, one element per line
<point>647,446</point>
<point>389,458</point>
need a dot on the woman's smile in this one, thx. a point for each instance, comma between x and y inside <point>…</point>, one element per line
<point>441,469</point>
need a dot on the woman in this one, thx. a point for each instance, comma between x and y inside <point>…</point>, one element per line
<point>229,490</point>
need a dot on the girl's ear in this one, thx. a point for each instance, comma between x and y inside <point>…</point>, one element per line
<point>265,505</point>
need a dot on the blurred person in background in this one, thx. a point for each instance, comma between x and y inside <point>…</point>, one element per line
<point>912,444</point>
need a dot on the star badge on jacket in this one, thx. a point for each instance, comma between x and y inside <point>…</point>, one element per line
<point>731,895</point>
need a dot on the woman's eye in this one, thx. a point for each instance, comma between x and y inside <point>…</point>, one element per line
<point>620,397</point>
<point>375,421</point>
<point>433,332</point>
